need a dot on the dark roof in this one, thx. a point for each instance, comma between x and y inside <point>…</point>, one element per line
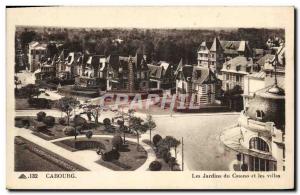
<point>116,61</point>
<point>233,47</point>
<point>198,74</point>
<point>203,75</point>
<point>187,71</point>
<point>155,71</point>
<point>159,70</point>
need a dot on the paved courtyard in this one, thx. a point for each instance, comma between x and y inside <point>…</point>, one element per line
<point>202,147</point>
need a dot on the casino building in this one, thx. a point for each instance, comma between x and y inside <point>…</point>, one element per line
<point>259,136</point>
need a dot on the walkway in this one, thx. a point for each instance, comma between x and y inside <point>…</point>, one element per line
<point>85,158</point>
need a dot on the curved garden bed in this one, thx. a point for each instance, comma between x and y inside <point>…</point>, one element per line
<point>130,159</point>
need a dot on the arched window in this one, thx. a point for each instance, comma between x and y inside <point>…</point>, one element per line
<point>258,144</point>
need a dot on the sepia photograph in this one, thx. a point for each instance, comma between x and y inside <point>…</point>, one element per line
<point>209,101</point>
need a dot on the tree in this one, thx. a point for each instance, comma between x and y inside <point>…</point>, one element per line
<point>172,143</point>
<point>94,111</point>
<point>67,105</point>
<point>123,118</point>
<point>156,139</point>
<point>150,124</point>
<point>136,124</point>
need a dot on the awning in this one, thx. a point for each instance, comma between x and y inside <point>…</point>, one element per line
<point>231,139</point>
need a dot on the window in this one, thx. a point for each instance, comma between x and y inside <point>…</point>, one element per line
<point>258,144</point>
<point>237,78</point>
<point>259,114</point>
<point>238,67</point>
<point>227,77</point>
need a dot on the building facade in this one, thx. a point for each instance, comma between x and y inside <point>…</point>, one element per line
<point>127,74</point>
<point>36,52</point>
<point>234,72</point>
<point>213,54</point>
<point>160,76</point>
<point>198,81</point>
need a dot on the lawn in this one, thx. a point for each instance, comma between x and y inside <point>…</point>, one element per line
<point>27,160</point>
<point>130,158</point>
<point>56,131</point>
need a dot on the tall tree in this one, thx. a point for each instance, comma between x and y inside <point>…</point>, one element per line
<point>136,124</point>
<point>150,125</point>
<point>67,105</point>
<point>94,111</point>
<point>172,143</point>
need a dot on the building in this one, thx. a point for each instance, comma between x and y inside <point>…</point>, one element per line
<point>265,77</point>
<point>161,76</point>
<point>66,65</point>
<point>46,71</point>
<point>93,72</point>
<point>234,71</point>
<point>258,138</point>
<point>127,74</point>
<point>196,80</point>
<point>213,54</point>
<point>36,52</point>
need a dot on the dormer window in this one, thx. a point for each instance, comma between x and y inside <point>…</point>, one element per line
<point>228,66</point>
<point>238,67</point>
<point>260,114</point>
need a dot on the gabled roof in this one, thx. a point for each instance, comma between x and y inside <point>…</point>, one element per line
<point>206,44</point>
<point>155,71</point>
<point>197,74</point>
<point>158,70</point>
<point>233,47</point>
<point>216,46</point>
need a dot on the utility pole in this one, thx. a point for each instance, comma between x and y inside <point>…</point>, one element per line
<point>182,161</point>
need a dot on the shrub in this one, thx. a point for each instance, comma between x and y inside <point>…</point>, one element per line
<point>166,156</point>
<point>39,126</point>
<point>244,167</point>
<point>89,134</point>
<point>62,121</point>
<point>155,166</point>
<point>111,155</point>
<point>106,122</point>
<point>156,138</point>
<point>117,142</point>
<point>49,121</point>
<point>172,162</point>
<point>69,130</point>
<point>40,116</point>
<point>79,121</point>
<point>176,167</point>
